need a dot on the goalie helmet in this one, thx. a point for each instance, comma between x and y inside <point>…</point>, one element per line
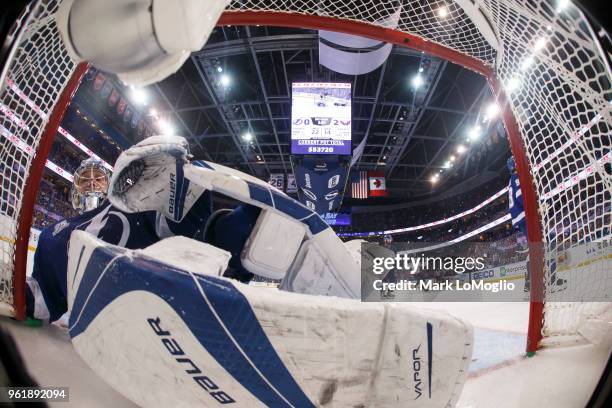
<point>90,185</point>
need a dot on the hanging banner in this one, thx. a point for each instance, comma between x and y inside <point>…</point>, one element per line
<point>352,63</point>
<point>320,181</point>
<point>113,98</point>
<point>121,106</point>
<point>291,184</point>
<point>364,54</point>
<point>99,81</point>
<point>277,180</point>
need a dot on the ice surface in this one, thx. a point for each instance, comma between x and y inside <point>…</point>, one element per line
<point>500,375</point>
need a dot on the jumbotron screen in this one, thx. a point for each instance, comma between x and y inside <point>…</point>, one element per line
<point>320,118</point>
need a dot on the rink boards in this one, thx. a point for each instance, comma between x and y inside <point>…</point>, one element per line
<point>7,238</point>
<point>163,336</point>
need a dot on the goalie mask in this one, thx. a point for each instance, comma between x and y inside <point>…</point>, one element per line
<point>89,186</point>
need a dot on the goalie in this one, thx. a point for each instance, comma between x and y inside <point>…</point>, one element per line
<point>155,200</point>
<point>46,288</point>
<point>163,328</point>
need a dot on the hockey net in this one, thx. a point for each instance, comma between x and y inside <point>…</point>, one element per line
<point>545,68</point>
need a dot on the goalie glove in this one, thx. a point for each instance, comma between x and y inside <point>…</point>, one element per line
<point>149,177</point>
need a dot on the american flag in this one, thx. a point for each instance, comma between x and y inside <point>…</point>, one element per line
<point>359,184</point>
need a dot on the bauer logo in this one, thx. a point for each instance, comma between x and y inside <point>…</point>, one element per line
<point>172,193</point>
<point>187,365</point>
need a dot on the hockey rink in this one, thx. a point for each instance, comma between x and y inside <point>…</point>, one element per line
<point>500,375</point>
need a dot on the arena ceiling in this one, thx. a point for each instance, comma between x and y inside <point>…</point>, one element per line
<point>240,83</point>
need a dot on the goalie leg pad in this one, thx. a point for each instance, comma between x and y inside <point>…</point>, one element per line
<point>165,336</point>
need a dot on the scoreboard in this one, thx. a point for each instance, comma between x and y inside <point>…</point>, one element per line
<point>321,118</point>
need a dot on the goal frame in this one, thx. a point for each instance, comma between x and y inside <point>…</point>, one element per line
<point>517,146</point>
<point>296,20</point>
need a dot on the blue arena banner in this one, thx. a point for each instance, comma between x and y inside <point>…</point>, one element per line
<point>321,181</point>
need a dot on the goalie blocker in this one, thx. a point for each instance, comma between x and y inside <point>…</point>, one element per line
<point>163,329</point>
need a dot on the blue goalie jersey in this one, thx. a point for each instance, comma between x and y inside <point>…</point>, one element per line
<point>46,291</point>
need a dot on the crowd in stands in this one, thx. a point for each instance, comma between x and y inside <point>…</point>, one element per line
<point>61,155</point>
<point>52,203</point>
<point>94,138</point>
<point>409,216</point>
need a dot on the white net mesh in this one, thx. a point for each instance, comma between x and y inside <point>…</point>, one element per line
<point>37,74</point>
<point>562,105</point>
<point>560,93</point>
<point>559,87</point>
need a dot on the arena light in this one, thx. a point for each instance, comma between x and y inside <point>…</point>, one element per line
<point>527,62</point>
<point>461,149</point>
<point>420,69</point>
<point>165,127</point>
<point>139,96</point>
<point>447,165</point>
<point>434,178</point>
<point>492,111</point>
<point>513,84</point>
<point>417,81</point>
<point>225,80</point>
<point>539,44</point>
<point>219,69</point>
<point>247,137</point>
<point>452,158</point>
<point>474,133</point>
<point>562,4</point>
<point>442,11</point>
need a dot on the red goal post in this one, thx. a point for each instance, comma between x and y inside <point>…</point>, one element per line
<point>491,39</point>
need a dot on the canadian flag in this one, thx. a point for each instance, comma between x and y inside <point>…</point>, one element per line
<point>378,187</point>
